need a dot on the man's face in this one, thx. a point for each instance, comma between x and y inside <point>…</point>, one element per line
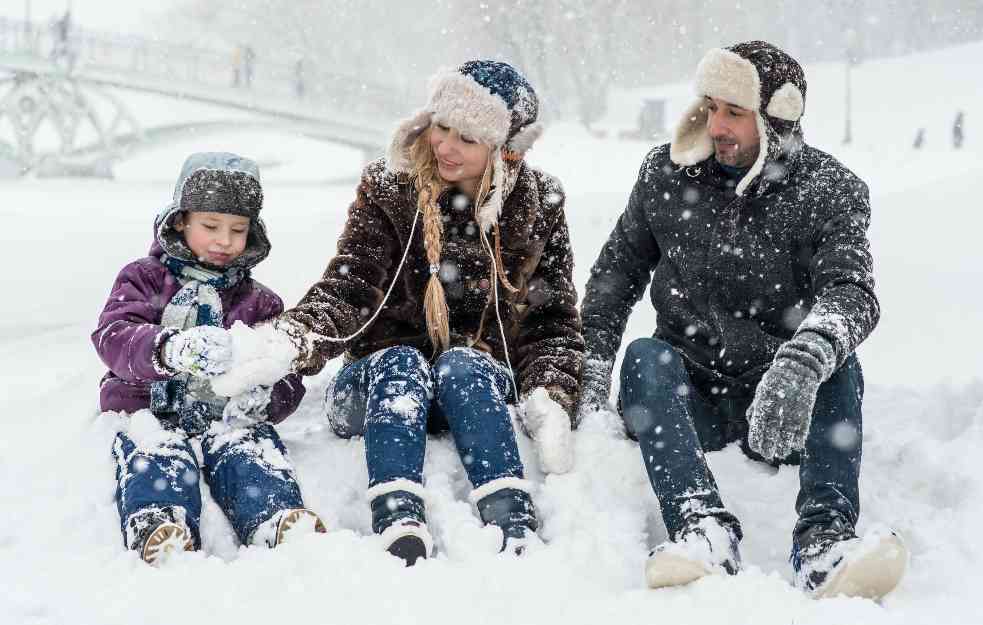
<point>734,132</point>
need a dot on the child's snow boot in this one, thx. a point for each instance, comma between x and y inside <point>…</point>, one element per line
<point>157,532</point>
<point>827,564</point>
<point>706,545</point>
<point>272,532</point>
<point>398,516</point>
<point>507,504</point>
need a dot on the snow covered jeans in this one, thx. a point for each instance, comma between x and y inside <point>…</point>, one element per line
<point>395,397</point>
<point>246,469</point>
<point>675,424</point>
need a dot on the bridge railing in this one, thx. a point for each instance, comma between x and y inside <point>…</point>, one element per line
<point>300,82</point>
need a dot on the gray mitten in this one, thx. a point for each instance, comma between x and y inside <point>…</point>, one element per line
<point>595,389</point>
<point>202,351</point>
<point>781,413</point>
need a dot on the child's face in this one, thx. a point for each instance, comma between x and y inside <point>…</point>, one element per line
<point>216,238</point>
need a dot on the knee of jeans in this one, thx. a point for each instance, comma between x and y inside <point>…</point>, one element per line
<point>651,360</point>
<point>406,361</point>
<point>345,418</point>
<point>460,363</point>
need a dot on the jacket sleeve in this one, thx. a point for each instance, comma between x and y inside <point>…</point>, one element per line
<point>617,281</point>
<point>352,287</point>
<point>550,346</point>
<point>845,309</point>
<point>289,390</point>
<point>129,335</point>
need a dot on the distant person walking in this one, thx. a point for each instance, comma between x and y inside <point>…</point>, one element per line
<point>957,131</point>
<point>299,69</point>
<point>248,60</point>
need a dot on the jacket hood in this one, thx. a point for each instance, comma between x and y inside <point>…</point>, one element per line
<point>217,182</point>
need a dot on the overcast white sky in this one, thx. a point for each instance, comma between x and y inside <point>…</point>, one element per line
<point>113,15</point>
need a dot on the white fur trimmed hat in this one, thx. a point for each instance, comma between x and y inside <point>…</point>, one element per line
<point>488,101</point>
<point>754,75</point>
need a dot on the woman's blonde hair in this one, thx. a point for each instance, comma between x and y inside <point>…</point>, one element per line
<point>429,186</point>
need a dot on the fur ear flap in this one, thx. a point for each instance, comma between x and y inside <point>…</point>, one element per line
<point>786,103</point>
<point>489,213</point>
<point>525,138</point>
<point>691,140</point>
<point>398,156</point>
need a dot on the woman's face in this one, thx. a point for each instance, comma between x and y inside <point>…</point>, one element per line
<point>460,159</point>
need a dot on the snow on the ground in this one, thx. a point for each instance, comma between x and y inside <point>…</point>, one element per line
<point>61,557</point>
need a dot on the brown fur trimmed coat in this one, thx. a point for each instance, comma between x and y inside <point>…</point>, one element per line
<point>541,320</point>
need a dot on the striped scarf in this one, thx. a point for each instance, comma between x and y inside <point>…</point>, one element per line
<point>187,401</point>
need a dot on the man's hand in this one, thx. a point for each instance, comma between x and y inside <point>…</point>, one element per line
<point>202,351</point>
<point>595,388</point>
<point>781,413</point>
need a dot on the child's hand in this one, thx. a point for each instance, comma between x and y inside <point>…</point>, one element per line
<point>202,351</point>
<point>248,407</point>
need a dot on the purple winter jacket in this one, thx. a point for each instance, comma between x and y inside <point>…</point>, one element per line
<point>129,334</point>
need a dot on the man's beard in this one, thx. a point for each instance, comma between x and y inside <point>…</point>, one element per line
<point>742,156</point>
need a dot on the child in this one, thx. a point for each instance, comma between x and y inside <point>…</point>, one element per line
<point>162,335</point>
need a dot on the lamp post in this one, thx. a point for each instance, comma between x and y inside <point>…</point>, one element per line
<point>27,20</point>
<point>852,58</point>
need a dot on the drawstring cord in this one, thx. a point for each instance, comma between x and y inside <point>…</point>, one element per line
<point>406,252</point>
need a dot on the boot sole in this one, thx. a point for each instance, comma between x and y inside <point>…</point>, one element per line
<point>408,548</point>
<point>165,539</point>
<point>665,570</point>
<point>290,519</point>
<point>872,575</point>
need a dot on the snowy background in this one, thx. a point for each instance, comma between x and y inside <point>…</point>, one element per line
<point>63,242</point>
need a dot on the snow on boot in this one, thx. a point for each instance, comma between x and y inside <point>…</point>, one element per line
<point>868,567</point>
<point>156,532</point>
<point>529,542</point>
<point>704,547</point>
<point>507,504</point>
<point>398,516</point>
<point>409,540</point>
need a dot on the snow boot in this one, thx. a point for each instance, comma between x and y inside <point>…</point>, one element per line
<point>398,516</point>
<point>272,532</point>
<point>827,565</point>
<point>157,532</point>
<point>408,540</point>
<point>507,505</point>
<point>705,546</point>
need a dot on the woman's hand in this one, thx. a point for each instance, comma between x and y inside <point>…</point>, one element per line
<point>549,426</point>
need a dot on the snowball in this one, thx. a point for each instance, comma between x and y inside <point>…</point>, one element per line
<point>260,355</point>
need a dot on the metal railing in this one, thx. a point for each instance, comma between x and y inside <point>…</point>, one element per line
<point>179,67</point>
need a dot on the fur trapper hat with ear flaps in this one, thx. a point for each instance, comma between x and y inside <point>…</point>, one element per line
<point>488,101</point>
<point>754,75</point>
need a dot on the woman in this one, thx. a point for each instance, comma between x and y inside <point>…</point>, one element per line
<point>451,290</point>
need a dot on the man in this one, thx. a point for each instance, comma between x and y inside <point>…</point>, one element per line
<point>763,289</point>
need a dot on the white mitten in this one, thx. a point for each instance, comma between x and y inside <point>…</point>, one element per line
<point>202,351</point>
<point>549,426</point>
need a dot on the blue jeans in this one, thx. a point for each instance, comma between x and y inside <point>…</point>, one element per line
<point>246,469</point>
<point>395,397</point>
<point>675,424</point>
